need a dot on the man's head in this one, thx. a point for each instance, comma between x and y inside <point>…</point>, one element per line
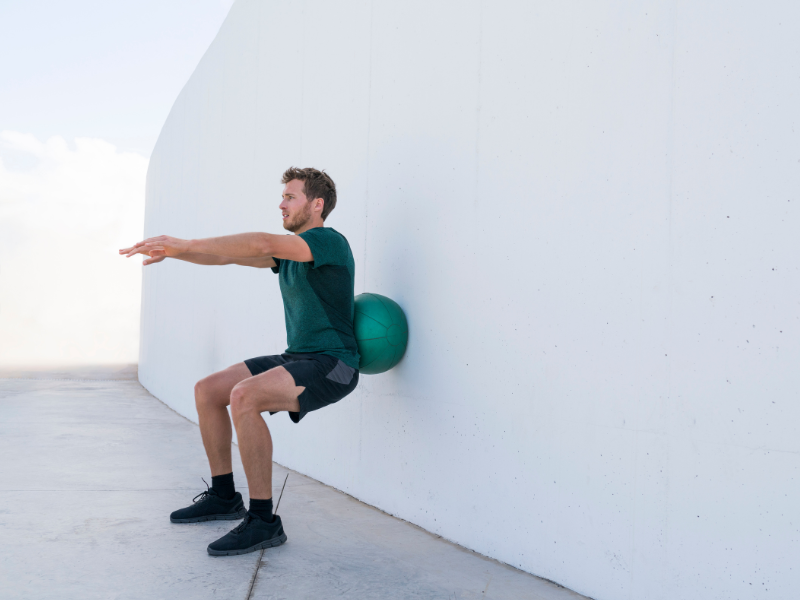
<point>309,196</point>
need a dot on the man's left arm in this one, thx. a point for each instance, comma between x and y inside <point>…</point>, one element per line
<point>241,245</point>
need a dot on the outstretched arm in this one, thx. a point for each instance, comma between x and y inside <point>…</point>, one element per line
<point>250,249</point>
<point>156,256</point>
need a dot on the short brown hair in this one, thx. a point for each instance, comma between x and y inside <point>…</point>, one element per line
<point>316,184</point>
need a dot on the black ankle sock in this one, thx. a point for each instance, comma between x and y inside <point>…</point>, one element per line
<point>262,508</point>
<point>223,486</point>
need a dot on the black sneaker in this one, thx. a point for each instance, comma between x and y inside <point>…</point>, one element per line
<point>210,507</point>
<point>252,534</point>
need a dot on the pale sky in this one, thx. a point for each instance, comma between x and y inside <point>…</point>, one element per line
<point>84,90</point>
<point>101,69</point>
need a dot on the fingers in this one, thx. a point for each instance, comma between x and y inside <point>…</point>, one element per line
<point>153,260</point>
<point>135,250</point>
<point>130,251</point>
<point>154,254</point>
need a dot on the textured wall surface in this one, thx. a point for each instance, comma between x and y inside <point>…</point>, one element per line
<point>589,212</point>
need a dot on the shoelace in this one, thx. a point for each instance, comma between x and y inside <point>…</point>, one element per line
<point>241,526</point>
<point>204,495</point>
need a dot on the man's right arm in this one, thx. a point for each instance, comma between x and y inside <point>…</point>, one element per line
<point>198,258</point>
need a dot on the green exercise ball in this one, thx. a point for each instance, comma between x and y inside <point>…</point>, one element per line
<point>381,333</point>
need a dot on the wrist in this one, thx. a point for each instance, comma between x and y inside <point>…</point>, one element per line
<point>190,246</point>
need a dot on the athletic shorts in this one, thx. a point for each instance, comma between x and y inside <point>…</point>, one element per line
<point>326,379</point>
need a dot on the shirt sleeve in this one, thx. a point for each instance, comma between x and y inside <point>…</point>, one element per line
<point>327,247</point>
<point>277,267</point>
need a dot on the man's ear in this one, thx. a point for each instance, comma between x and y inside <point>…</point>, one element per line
<point>319,203</point>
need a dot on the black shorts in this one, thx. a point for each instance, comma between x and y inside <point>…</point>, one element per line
<point>326,379</point>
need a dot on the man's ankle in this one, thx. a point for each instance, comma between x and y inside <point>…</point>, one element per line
<point>262,508</point>
<point>223,486</point>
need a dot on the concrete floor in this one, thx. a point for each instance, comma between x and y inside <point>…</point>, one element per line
<point>92,465</point>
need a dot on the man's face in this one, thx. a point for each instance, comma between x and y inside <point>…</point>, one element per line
<point>295,207</point>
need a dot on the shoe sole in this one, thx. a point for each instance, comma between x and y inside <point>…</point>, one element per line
<point>227,517</point>
<point>267,544</point>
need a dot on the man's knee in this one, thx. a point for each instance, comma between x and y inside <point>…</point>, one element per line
<point>205,395</point>
<point>242,401</point>
<point>249,400</point>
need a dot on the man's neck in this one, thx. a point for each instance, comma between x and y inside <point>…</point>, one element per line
<point>313,225</point>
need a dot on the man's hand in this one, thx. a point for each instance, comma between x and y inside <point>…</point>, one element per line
<point>157,248</point>
<point>140,248</point>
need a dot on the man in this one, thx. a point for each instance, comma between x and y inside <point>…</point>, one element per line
<point>316,275</point>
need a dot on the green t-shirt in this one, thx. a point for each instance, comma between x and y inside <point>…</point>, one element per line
<point>318,298</point>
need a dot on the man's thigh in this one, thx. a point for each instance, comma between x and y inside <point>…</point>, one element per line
<point>273,390</point>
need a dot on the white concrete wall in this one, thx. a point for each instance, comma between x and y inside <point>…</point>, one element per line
<point>589,212</point>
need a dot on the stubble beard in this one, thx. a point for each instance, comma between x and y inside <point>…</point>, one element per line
<point>299,221</point>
